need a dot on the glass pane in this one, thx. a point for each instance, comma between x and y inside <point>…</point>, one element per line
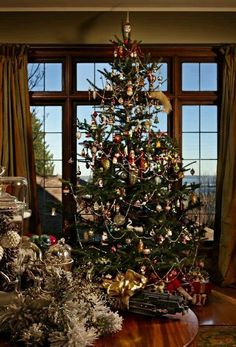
<point>53,145</point>
<point>37,113</point>
<point>45,77</point>
<point>208,118</point>
<point>208,76</point>
<point>190,118</point>
<point>190,76</point>
<point>53,77</point>
<point>84,71</point>
<point>162,125</point>
<point>209,146</point>
<point>53,118</point>
<point>190,146</point>
<point>162,73</point>
<point>36,76</point>
<point>50,209</point>
<point>83,113</point>
<point>53,182</point>
<point>57,168</point>
<point>188,177</point>
<point>208,168</point>
<point>100,80</point>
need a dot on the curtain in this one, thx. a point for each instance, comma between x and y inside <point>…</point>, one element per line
<point>226,172</point>
<point>16,143</point>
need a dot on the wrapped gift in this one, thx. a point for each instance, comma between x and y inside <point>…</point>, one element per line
<point>201,287</point>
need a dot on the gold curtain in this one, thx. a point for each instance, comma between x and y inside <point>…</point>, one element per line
<point>226,172</point>
<point>16,143</point>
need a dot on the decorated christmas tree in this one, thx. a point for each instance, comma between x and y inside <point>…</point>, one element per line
<point>134,213</point>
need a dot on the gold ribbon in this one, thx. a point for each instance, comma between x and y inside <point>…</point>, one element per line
<point>124,286</point>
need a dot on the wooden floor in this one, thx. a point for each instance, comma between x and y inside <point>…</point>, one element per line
<point>220,309</point>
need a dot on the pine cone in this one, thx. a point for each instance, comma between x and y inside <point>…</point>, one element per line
<point>9,255</point>
<point>1,252</point>
<point>10,239</point>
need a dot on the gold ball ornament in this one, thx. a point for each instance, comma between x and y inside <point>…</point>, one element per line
<point>10,239</point>
<point>119,219</point>
<point>90,233</point>
<point>193,198</point>
<point>140,246</point>
<point>133,178</point>
<point>146,251</point>
<point>106,164</point>
<point>128,241</point>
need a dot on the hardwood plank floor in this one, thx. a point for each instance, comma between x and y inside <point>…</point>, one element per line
<point>220,309</point>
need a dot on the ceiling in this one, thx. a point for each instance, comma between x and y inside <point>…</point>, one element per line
<point>118,5</point>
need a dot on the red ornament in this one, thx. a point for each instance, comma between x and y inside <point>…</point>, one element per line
<point>117,138</point>
<point>53,240</point>
<point>173,285</point>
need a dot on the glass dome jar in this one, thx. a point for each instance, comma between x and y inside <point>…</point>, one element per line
<point>13,210</point>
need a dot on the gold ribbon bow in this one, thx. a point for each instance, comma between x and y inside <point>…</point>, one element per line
<point>124,286</point>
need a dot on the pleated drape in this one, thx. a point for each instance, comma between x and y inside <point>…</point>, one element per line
<point>16,142</point>
<point>226,172</point>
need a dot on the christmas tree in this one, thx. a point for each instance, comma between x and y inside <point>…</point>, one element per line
<point>135,213</point>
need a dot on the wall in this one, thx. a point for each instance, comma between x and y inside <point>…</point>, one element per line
<point>100,27</point>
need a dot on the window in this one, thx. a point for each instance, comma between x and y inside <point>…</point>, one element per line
<point>61,89</point>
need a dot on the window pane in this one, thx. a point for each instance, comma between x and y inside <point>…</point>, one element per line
<point>89,72</point>
<point>190,76</point>
<point>53,142</point>
<point>100,80</point>
<point>53,77</point>
<point>188,177</point>
<point>45,77</point>
<point>208,118</point>
<point>190,146</point>
<point>36,76</point>
<point>53,119</point>
<point>190,118</point>
<point>208,168</point>
<point>161,77</point>
<point>83,113</point>
<point>199,76</point>
<point>47,147</point>
<point>208,76</point>
<point>84,71</point>
<point>208,146</point>
<point>162,121</point>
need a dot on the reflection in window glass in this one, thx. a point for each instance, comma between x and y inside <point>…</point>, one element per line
<point>199,76</point>
<point>45,77</point>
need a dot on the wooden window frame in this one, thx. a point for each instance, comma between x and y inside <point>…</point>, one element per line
<point>69,55</point>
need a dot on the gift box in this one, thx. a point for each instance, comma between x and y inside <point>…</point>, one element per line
<point>200,292</point>
<point>201,287</point>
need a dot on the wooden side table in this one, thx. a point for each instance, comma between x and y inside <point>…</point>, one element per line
<point>139,331</point>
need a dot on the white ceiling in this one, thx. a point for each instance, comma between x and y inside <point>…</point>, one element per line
<point>118,5</point>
